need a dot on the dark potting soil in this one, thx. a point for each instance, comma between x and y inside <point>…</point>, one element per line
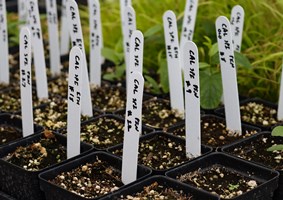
<point>220,180</point>
<point>160,153</point>
<point>90,180</point>
<point>158,192</point>
<point>157,113</point>
<point>39,155</point>
<point>256,151</point>
<point>9,133</point>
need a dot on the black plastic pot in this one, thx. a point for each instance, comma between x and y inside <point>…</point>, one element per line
<point>267,177</point>
<point>15,122</point>
<point>245,128</point>
<point>53,191</point>
<point>20,183</point>
<point>221,112</point>
<point>245,147</point>
<point>166,183</point>
<point>157,136</point>
<point>4,196</point>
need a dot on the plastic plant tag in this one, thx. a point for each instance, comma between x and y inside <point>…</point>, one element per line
<point>229,74</point>
<point>52,18</point>
<point>280,101</point>
<point>76,61</point>
<point>4,52</point>
<point>123,5</point>
<point>189,21</point>
<point>129,28</point>
<point>65,36</point>
<point>237,25</point>
<point>173,61</point>
<point>95,42</point>
<point>133,121</point>
<point>192,99</point>
<point>136,52</point>
<point>26,82</point>
<point>38,50</point>
<point>22,10</point>
<point>75,30</point>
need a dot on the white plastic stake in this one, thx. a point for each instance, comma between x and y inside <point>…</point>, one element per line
<point>4,52</point>
<point>52,18</point>
<point>133,127</point>
<point>173,61</point>
<point>65,36</point>
<point>189,21</point>
<point>237,25</point>
<point>76,62</point>
<point>37,47</point>
<point>75,29</point>
<point>22,10</point>
<point>95,42</point>
<point>129,28</point>
<point>136,52</point>
<point>192,99</point>
<point>228,73</point>
<point>280,101</point>
<point>26,82</point>
<point>123,5</point>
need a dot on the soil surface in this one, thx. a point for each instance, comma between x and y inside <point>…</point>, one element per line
<point>9,133</point>
<point>220,180</point>
<point>90,180</point>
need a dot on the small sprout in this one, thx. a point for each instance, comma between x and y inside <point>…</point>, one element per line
<point>233,187</point>
<point>277,132</point>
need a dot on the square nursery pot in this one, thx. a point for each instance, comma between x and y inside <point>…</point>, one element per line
<point>4,196</point>
<point>163,188</point>
<point>160,151</point>
<point>256,112</point>
<point>11,129</point>
<point>229,177</point>
<point>93,176</point>
<point>21,180</point>
<point>254,149</point>
<point>104,131</point>
<point>214,132</point>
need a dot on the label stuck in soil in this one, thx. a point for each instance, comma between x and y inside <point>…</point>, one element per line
<point>38,50</point>
<point>173,61</point>
<point>95,42</point>
<point>280,101</point>
<point>52,19</point>
<point>133,127</point>
<point>229,74</point>
<point>4,52</point>
<point>65,36</point>
<point>26,82</point>
<point>22,10</point>
<point>123,5</point>
<point>192,99</point>
<point>237,25</point>
<point>75,29</point>
<point>136,52</point>
<point>74,102</point>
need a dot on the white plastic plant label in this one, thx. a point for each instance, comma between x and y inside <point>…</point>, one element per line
<point>173,61</point>
<point>280,101</point>
<point>95,42</point>
<point>130,27</point>
<point>54,46</point>
<point>133,122</point>
<point>123,5</point>
<point>136,52</point>
<point>192,99</point>
<point>22,10</point>
<point>4,52</point>
<point>75,30</point>
<point>65,36</point>
<point>26,82</point>
<point>229,74</point>
<point>189,21</point>
<point>237,26</point>
<point>76,61</point>
<point>38,50</point>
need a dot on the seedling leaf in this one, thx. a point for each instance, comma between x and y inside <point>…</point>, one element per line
<point>277,131</point>
<point>278,147</point>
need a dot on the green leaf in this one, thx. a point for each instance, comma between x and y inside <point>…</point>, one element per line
<point>152,84</point>
<point>203,65</point>
<point>277,147</point>
<point>153,30</point>
<point>213,50</point>
<point>242,60</point>
<point>277,131</point>
<point>210,90</point>
<point>163,72</point>
<point>111,55</point>
<point>214,60</point>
